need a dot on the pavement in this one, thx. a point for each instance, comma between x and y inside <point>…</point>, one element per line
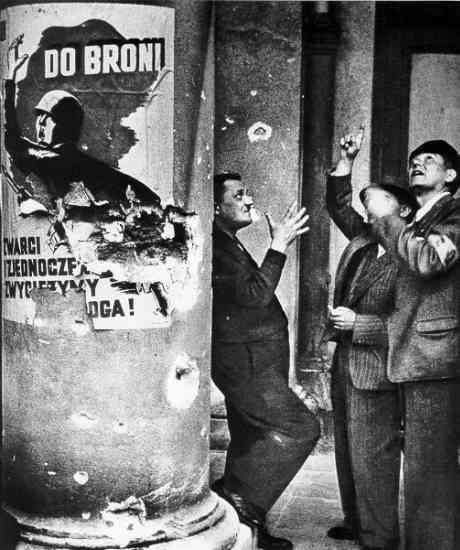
<point>308,507</point>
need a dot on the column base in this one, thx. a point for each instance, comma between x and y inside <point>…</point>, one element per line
<point>219,530</point>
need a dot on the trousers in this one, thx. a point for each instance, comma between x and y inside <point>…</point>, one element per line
<point>271,431</point>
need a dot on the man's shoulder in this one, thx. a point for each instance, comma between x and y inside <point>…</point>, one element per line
<point>447,208</point>
<point>223,245</point>
<point>455,204</point>
<point>362,239</point>
<point>219,238</point>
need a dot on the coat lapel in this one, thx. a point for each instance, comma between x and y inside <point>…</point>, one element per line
<point>369,278</point>
<point>437,212</point>
<point>354,246</point>
<point>225,242</point>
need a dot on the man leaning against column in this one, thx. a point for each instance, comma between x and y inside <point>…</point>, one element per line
<point>272,432</point>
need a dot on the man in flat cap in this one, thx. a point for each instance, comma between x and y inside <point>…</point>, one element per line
<point>424,344</point>
<point>365,403</point>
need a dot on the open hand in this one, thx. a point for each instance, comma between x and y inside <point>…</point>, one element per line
<point>291,226</point>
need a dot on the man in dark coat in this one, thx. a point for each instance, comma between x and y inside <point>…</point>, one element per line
<point>272,432</point>
<point>424,345</point>
<point>366,405</point>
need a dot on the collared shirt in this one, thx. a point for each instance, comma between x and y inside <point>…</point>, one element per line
<point>429,205</point>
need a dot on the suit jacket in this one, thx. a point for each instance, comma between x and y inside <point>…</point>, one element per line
<point>423,330</point>
<point>245,307</point>
<point>370,296</point>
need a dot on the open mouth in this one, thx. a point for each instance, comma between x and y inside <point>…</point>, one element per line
<point>416,172</point>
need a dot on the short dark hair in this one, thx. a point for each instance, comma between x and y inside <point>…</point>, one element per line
<point>219,180</point>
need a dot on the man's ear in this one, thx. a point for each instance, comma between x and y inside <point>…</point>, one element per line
<point>405,211</point>
<point>451,174</point>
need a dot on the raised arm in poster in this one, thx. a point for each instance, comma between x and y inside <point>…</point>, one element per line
<point>88,116</point>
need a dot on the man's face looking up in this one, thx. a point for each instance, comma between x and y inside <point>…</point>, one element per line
<point>234,207</point>
<point>427,171</point>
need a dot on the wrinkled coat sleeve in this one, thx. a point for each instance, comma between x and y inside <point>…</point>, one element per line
<point>339,205</point>
<point>245,284</point>
<point>428,256</point>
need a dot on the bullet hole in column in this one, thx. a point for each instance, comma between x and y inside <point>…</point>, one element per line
<point>81,477</point>
<point>120,427</point>
<point>83,420</point>
<point>183,382</point>
<point>259,131</point>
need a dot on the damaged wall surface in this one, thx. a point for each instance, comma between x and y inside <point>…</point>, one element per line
<point>258,65</point>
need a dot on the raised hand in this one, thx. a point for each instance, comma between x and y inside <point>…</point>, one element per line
<point>350,145</point>
<point>291,226</point>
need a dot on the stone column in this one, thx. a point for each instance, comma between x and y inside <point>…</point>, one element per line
<point>106,290</point>
<point>320,41</point>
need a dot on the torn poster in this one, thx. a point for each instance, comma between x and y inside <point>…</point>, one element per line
<point>87,167</point>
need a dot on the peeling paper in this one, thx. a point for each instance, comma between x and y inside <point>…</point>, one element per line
<point>259,131</point>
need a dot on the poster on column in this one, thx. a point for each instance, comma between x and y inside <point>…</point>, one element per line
<point>87,165</point>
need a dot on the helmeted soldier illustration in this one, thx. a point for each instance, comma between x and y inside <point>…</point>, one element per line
<point>55,167</point>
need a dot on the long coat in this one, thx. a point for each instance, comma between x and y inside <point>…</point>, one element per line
<point>271,430</point>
